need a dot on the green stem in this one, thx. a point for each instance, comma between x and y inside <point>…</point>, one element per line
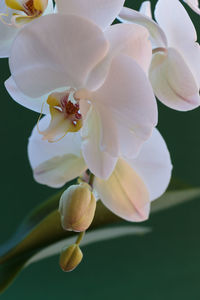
<point>80,237</point>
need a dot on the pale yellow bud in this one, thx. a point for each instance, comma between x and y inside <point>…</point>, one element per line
<point>70,258</point>
<point>77,207</point>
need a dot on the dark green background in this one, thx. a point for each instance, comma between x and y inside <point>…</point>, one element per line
<point>162,265</point>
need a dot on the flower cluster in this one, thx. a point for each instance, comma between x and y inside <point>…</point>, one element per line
<point>96,83</point>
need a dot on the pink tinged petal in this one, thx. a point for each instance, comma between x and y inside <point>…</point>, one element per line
<point>191,55</point>
<point>102,12</point>
<point>55,51</point>
<point>153,165</point>
<point>35,104</point>
<point>54,164</point>
<point>59,170</point>
<point>98,135</point>
<point>124,193</point>
<point>180,32</point>
<point>132,40</point>
<point>129,16</point>
<point>176,23</point>
<point>129,100</point>
<point>173,81</point>
<point>129,39</point>
<point>194,5</point>
<point>145,9</point>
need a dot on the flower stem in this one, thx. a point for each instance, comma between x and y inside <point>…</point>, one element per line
<point>80,237</point>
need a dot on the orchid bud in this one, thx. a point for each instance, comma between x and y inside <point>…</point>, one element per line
<point>77,207</point>
<point>70,258</point>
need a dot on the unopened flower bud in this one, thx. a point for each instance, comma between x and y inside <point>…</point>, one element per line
<point>70,258</point>
<point>77,207</point>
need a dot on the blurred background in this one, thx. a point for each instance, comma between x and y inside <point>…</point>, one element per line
<point>164,264</point>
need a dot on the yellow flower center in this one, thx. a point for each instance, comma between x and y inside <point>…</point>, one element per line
<point>30,9</point>
<point>65,116</point>
<point>24,11</point>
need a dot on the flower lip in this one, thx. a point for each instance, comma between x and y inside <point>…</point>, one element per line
<point>65,115</point>
<point>68,106</point>
<point>24,10</point>
<point>30,9</point>
<point>71,110</point>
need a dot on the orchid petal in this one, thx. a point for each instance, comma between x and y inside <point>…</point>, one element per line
<point>128,97</point>
<point>94,134</point>
<point>132,40</point>
<point>124,193</point>
<point>194,5</point>
<point>102,12</point>
<point>14,4</point>
<point>35,104</point>
<point>176,23</point>
<point>180,32</point>
<point>158,36</point>
<point>145,9</point>
<point>7,32</point>
<point>173,81</point>
<point>54,164</point>
<point>7,35</point>
<point>21,20</point>
<point>129,39</point>
<point>153,165</point>
<point>45,57</point>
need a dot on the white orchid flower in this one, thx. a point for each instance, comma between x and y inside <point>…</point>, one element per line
<point>16,13</point>
<point>174,71</point>
<point>131,187</point>
<point>84,78</point>
<point>194,5</point>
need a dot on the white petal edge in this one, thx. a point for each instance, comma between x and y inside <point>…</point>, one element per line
<point>194,5</point>
<point>153,165</point>
<point>101,12</point>
<point>180,31</point>
<point>56,163</point>
<point>124,193</point>
<point>145,9</point>
<point>7,33</point>
<point>130,16</point>
<point>173,82</point>
<point>175,21</point>
<point>36,104</point>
